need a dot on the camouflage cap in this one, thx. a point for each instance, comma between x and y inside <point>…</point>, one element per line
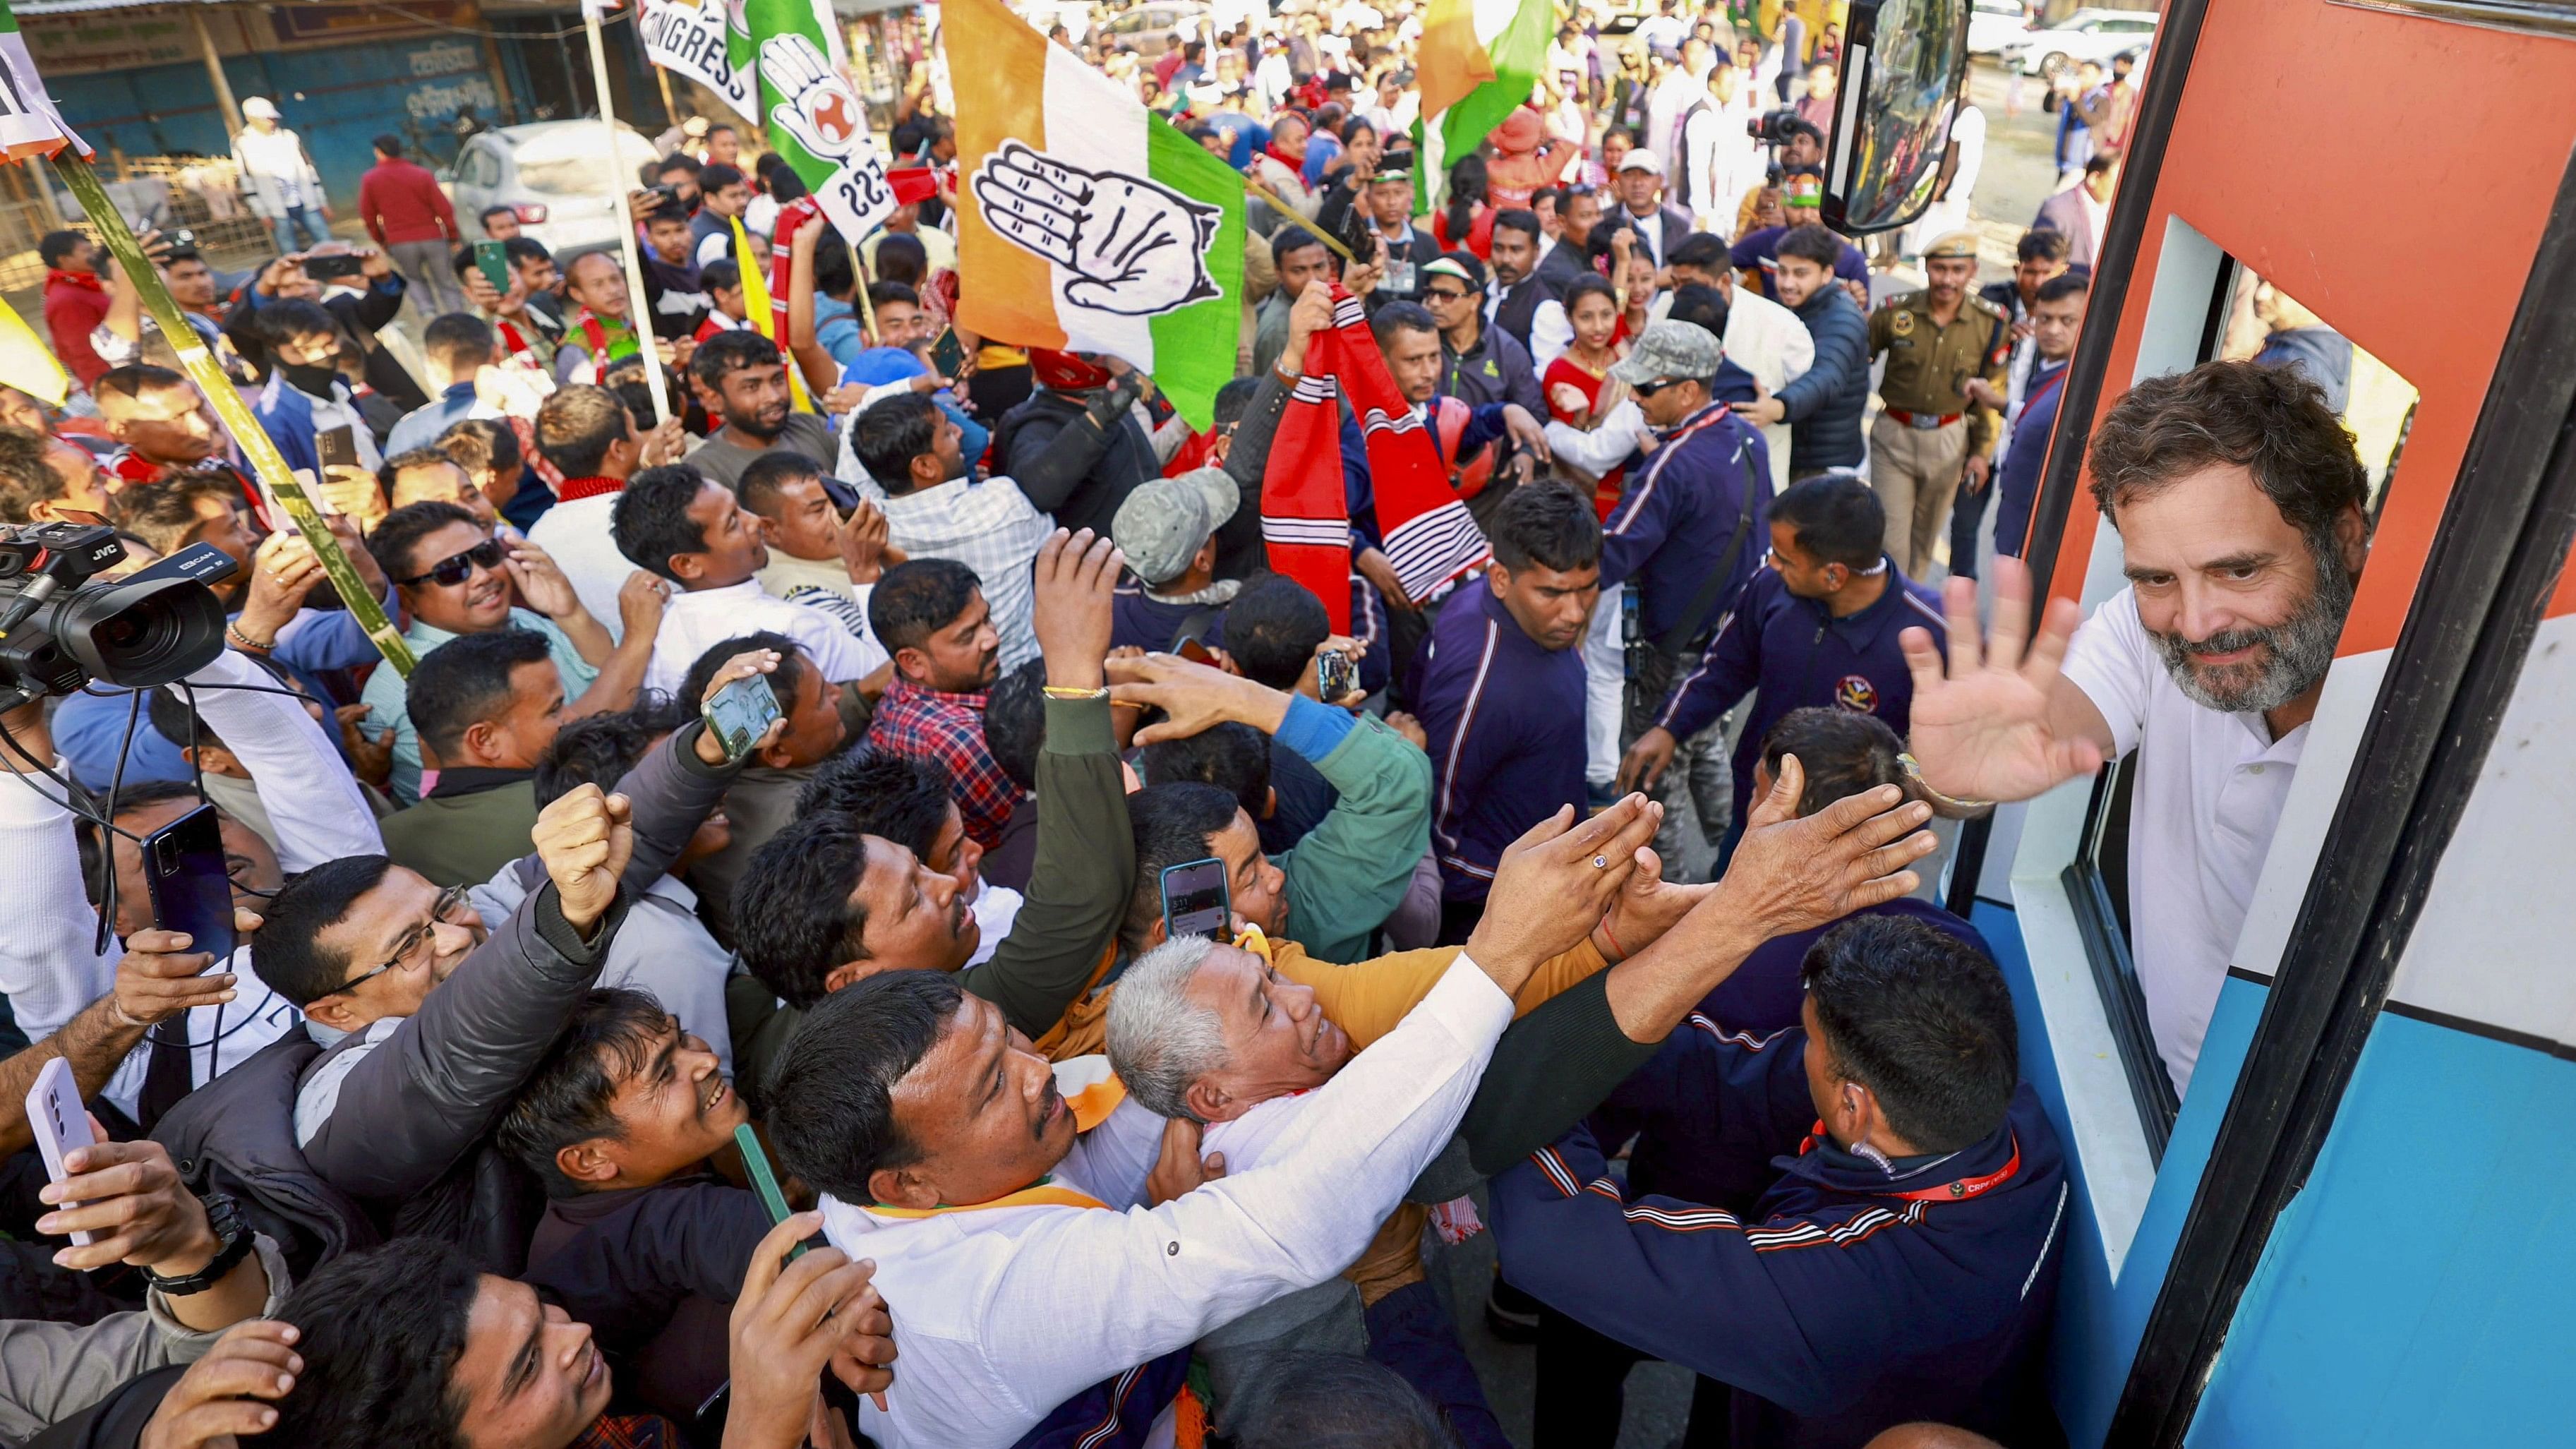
<point>1670,350</point>
<point>1163,523</point>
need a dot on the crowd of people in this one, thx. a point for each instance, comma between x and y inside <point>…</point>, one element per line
<point>468,1137</point>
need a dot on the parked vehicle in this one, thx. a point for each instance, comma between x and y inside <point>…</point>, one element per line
<point>2095,35</point>
<point>1149,27</point>
<point>1994,24</point>
<point>557,175</point>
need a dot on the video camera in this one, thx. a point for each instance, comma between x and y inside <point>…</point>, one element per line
<point>1773,127</point>
<point>60,629</point>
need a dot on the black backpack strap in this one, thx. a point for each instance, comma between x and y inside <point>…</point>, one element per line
<point>1193,625</point>
<point>1704,603</point>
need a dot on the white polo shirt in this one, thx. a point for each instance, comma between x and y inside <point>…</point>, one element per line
<point>2210,790</point>
<point>693,623</point>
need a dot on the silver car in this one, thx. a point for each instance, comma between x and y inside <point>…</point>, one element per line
<point>557,175</point>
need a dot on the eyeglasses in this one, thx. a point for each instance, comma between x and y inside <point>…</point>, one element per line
<point>1445,295</point>
<point>418,936</point>
<point>457,568</point>
<point>1649,389</point>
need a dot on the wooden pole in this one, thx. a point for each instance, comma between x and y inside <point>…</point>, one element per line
<point>215,71</point>
<point>280,482</point>
<point>639,315</point>
<point>1290,212</point>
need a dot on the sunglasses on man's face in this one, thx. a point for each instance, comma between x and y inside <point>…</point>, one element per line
<point>1649,389</point>
<point>1444,294</point>
<point>457,568</point>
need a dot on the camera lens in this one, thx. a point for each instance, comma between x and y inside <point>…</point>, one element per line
<point>142,633</point>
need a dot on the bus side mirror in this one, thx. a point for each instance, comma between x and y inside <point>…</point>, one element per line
<point>1903,67</point>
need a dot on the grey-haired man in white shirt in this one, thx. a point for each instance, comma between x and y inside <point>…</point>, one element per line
<point>2242,511</point>
<point>1028,1275</point>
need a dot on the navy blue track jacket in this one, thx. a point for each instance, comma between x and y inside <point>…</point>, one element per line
<point>1840,1306</point>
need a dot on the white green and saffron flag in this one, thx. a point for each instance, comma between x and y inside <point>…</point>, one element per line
<point>1478,61</point>
<point>29,124</point>
<point>1086,223</point>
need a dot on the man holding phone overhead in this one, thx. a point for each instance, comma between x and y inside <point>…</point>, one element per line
<point>824,905</point>
<point>212,1014</point>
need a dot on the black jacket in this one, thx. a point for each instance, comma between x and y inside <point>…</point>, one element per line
<point>408,1130</point>
<point>1518,308</point>
<point>1077,457</point>
<point>654,1272</point>
<point>1562,265</point>
<point>236,1135</point>
<point>1826,401</point>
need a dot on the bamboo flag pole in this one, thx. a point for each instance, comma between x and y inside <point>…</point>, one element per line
<point>280,481</point>
<point>1294,215</point>
<point>638,311</point>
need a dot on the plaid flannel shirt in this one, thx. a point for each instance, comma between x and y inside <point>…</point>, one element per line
<point>947,730</point>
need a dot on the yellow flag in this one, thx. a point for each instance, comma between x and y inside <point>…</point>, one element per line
<point>755,309</point>
<point>26,364</point>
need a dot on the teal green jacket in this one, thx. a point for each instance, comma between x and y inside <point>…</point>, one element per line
<point>1351,871</point>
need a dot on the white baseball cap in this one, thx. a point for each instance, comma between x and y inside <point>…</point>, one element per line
<point>1641,159</point>
<point>260,106</point>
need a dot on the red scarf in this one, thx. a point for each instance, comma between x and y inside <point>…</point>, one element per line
<point>594,335</point>
<point>592,487</point>
<point>1304,517</point>
<point>87,280</point>
<point>519,345</point>
<point>791,218</point>
<point>526,432</point>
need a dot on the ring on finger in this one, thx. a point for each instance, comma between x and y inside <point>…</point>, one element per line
<point>1600,862</point>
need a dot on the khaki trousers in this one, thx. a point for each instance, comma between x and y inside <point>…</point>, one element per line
<point>1915,470</point>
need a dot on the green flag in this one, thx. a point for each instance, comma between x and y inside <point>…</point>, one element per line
<point>813,118</point>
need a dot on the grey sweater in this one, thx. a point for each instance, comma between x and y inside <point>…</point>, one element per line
<point>51,1371</point>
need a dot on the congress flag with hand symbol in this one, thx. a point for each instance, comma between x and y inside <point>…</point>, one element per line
<point>813,118</point>
<point>1084,222</point>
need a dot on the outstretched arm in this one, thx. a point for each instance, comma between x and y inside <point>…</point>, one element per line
<point>312,798</point>
<point>1086,854</point>
<point>1999,721</point>
<point>1787,875</point>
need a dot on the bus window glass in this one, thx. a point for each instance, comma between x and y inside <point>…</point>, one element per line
<point>2268,325</point>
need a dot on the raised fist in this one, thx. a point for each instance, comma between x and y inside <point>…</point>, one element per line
<point>1135,248</point>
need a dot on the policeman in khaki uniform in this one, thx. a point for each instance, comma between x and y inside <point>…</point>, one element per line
<point>1931,433</point>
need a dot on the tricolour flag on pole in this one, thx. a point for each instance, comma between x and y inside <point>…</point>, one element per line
<point>1478,61</point>
<point>1084,222</point>
<point>29,124</point>
<point>813,118</point>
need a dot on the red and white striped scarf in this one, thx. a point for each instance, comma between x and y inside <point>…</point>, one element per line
<point>1305,519</point>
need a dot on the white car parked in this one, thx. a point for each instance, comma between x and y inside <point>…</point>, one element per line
<point>2095,35</point>
<point>1994,24</point>
<point>568,190</point>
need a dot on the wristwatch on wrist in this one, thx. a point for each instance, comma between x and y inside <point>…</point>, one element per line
<point>232,1231</point>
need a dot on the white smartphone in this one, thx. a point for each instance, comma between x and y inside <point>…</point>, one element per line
<point>61,1124</point>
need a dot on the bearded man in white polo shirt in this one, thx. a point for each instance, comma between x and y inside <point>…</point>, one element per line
<point>2242,510</point>
<point>1032,1283</point>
